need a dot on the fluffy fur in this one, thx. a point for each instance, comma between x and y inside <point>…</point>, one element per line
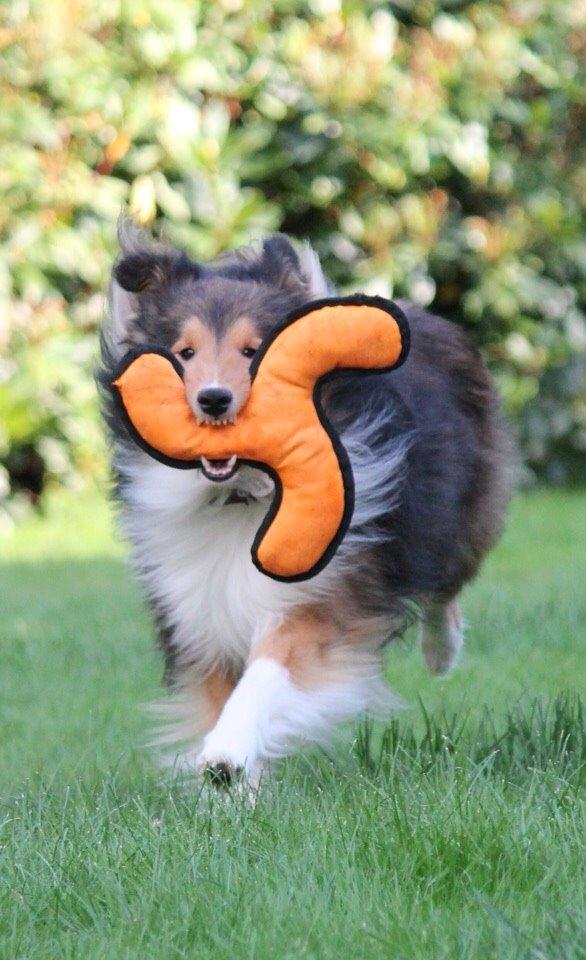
<point>256,667</point>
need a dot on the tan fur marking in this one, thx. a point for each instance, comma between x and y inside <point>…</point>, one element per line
<point>303,644</point>
<point>217,360</point>
<point>216,688</point>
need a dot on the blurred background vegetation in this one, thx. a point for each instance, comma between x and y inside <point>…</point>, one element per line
<point>428,149</point>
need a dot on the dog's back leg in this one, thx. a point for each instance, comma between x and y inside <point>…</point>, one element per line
<point>441,635</point>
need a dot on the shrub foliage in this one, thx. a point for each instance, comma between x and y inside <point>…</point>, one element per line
<point>428,149</point>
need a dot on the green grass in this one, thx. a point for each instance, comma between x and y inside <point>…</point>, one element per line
<point>453,833</point>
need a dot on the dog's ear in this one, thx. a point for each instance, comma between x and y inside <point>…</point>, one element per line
<point>283,267</point>
<point>142,269</point>
<point>149,270</point>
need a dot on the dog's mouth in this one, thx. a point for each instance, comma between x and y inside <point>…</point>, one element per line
<point>219,470</point>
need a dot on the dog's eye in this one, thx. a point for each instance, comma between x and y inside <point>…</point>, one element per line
<point>248,352</point>
<point>187,353</point>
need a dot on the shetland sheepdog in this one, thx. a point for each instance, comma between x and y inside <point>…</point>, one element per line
<point>256,668</point>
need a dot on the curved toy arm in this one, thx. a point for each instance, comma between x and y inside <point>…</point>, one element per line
<point>357,332</point>
<point>306,520</point>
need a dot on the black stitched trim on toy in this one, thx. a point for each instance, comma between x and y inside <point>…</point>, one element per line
<point>340,451</point>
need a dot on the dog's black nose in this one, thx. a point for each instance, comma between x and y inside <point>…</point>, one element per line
<point>214,401</point>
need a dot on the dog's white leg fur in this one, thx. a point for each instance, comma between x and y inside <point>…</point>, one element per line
<point>283,700</point>
<point>268,715</point>
<point>237,740</point>
<point>442,636</point>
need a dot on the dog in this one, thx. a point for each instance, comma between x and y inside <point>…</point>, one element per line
<point>255,667</point>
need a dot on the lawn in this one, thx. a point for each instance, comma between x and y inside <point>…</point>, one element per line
<point>452,833</point>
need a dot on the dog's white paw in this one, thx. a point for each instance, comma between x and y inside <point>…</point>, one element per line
<point>226,761</point>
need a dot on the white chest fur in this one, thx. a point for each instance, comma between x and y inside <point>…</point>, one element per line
<point>193,557</point>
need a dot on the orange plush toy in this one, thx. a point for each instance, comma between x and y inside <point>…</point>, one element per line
<point>282,428</point>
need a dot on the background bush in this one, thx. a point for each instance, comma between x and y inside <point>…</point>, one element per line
<point>427,149</point>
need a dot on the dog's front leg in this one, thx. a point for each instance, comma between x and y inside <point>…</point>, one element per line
<point>301,679</point>
<point>259,719</point>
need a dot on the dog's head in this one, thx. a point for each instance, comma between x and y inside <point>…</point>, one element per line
<point>212,317</point>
